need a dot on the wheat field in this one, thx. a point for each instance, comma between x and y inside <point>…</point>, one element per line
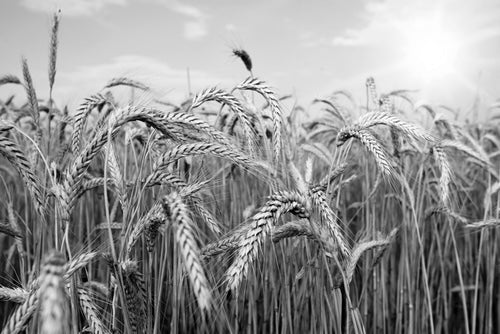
<point>232,214</point>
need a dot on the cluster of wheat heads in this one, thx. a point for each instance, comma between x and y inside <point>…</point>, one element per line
<point>231,213</point>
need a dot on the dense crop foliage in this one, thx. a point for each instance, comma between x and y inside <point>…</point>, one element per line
<point>232,213</point>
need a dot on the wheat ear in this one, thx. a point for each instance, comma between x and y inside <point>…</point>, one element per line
<point>12,152</point>
<point>91,312</point>
<point>54,304</point>
<point>263,89</point>
<point>177,212</point>
<point>277,205</point>
<point>372,144</point>
<point>220,96</point>
<point>22,314</point>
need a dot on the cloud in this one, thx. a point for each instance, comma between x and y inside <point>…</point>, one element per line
<point>195,29</point>
<point>71,7</point>
<point>386,20</point>
<point>158,75</point>
<point>186,10</point>
<point>230,27</point>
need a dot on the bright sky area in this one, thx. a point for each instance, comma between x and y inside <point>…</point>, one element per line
<point>447,50</point>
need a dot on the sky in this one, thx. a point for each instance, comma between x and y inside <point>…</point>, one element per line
<point>447,51</point>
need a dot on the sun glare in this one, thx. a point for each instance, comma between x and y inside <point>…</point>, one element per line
<point>431,50</point>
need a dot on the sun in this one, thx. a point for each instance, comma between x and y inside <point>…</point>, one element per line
<point>431,49</point>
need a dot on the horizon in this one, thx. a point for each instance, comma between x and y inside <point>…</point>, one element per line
<point>437,48</point>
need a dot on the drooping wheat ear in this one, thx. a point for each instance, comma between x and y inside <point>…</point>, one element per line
<point>223,97</point>
<point>167,178</point>
<point>30,92</point>
<point>372,144</point>
<point>372,92</point>
<point>409,130</point>
<point>9,79</point>
<point>54,305</point>
<point>12,152</point>
<point>79,262</point>
<point>191,121</point>
<point>361,248</point>
<point>226,244</point>
<point>147,224</point>
<point>309,169</point>
<point>292,229</point>
<point>22,314</point>
<point>135,295</point>
<point>15,295</point>
<point>184,150</point>
<point>383,249</point>
<point>155,118</point>
<point>317,232</point>
<point>446,173</point>
<point>91,312</point>
<point>386,105</point>
<point>330,219</point>
<point>229,124</point>
<point>189,192</point>
<point>151,231</point>
<point>245,58</point>
<point>5,126</point>
<point>277,205</point>
<point>263,89</point>
<point>447,212</point>
<point>328,179</point>
<point>9,230</point>
<point>116,174</point>
<point>492,222</point>
<point>450,130</point>
<point>461,147</point>
<point>151,222</point>
<point>213,224</point>
<point>396,143</point>
<point>90,184</point>
<point>80,118</point>
<point>123,81</point>
<point>53,49</point>
<point>177,212</point>
<point>14,224</point>
<point>334,109</point>
<point>300,183</point>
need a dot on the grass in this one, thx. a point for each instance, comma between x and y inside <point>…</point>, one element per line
<point>233,214</point>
